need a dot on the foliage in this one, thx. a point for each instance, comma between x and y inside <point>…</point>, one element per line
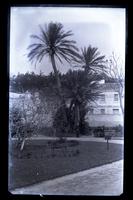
<point>33,82</point>
<point>73,82</point>
<point>16,122</point>
<point>91,60</point>
<point>78,89</point>
<point>99,132</point>
<point>26,117</point>
<point>52,41</point>
<point>18,127</point>
<point>77,85</point>
<point>60,122</point>
<point>119,130</point>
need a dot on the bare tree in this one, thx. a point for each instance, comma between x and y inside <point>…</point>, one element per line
<point>115,71</point>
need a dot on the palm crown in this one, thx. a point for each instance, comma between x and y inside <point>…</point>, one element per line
<point>78,86</point>
<point>53,42</point>
<point>91,59</point>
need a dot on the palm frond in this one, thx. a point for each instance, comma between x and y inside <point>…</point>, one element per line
<point>38,38</point>
<point>91,59</point>
<point>53,40</point>
<point>58,57</point>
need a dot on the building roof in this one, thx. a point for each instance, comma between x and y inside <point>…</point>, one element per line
<point>109,87</point>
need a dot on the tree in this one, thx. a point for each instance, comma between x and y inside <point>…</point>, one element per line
<point>115,71</point>
<point>25,118</point>
<point>91,60</point>
<point>18,127</point>
<point>53,42</point>
<point>15,118</point>
<point>33,82</point>
<point>80,89</point>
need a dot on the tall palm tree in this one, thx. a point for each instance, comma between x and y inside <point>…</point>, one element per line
<point>91,60</point>
<point>53,42</point>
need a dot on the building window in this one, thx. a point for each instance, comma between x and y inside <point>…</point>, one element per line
<point>102,111</point>
<point>115,111</point>
<point>115,97</point>
<point>102,97</point>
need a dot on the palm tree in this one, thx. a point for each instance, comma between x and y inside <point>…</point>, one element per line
<point>91,60</point>
<point>80,89</point>
<point>53,42</point>
<point>78,86</point>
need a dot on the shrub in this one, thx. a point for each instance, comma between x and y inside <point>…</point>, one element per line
<point>119,130</point>
<point>46,131</point>
<point>60,122</point>
<point>84,128</point>
<point>20,127</point>
<point>99,132</point>
<point>16,122</point>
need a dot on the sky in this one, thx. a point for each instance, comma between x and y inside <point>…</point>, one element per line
<point>103,28</point>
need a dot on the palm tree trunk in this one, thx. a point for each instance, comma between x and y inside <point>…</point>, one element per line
<point>63,105</point>
<point>56,75</point>
<point>58,80</point>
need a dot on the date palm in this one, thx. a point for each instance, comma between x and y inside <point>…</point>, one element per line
<point>91,60</point>
<point>53,42</point>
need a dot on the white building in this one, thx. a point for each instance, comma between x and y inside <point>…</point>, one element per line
<point>106,111</point>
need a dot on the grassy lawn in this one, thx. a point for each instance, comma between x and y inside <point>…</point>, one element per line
<point>38,162</point>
